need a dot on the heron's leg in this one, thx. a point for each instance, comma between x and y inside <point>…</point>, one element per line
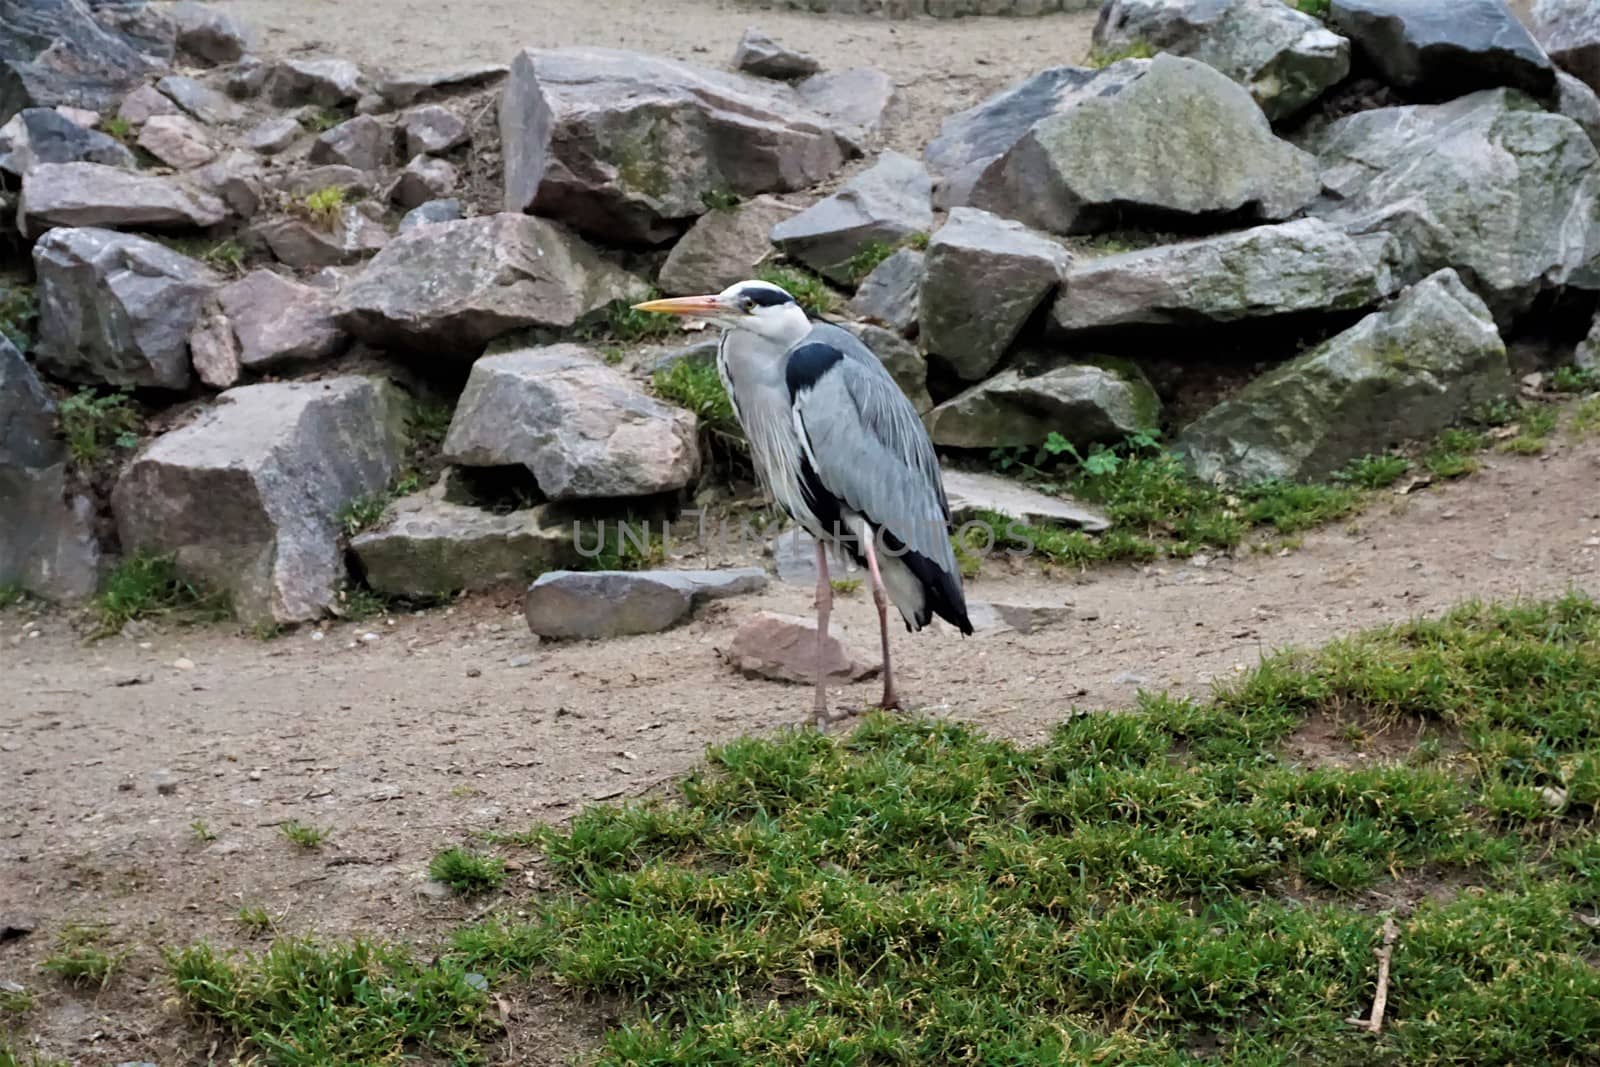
<point>824,608</point>
<point>891,699</point>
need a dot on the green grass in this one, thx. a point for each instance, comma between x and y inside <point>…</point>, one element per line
<point>429,422</point>
<point>808,290</point>
<point>1376,472</point>
<point>865,261</point>
<point>1318,8</point>
<point>303,835</point>
<point>365,511</point>
<point>625,544</point>
<point>622,324</point>
<point>467,872</point>
<point>1534,427</point>
<point>698,387</point>
<point>143,587</point>
<point>10,1057</point>
<point>80,957</point>
<point>1454,453</point>
<point>720,200</point>
<point>1586,417</point>
<point>918,241</point>
<point>324,206</point>
<point>323,119</point>
<point>1574,380</point>
<point>1100,58</point>
<point>97,424</point>
<point>845,586</point>
<point>118,127</point>
<point>254,920</point>
<point>15,1002</point>
<point>11,595</point>
<point>201,832</point>
<point>19,316</point>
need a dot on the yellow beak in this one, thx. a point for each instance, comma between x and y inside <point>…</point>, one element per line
<point>697,307</point>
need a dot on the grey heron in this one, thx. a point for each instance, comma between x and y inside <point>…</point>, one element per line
<point>840,448</point>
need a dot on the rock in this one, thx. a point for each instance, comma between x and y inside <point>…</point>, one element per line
<point>1445,50</point>
<point>1569,30</point>
<point>299,243</point>
<point>599,604</point>
<point>891,295</point>
<point>248,495</point>
<point>991,618</point>
<point>985,278</point>
<point>1487,184</point>
<point>144,104</point>
<point>402,90</point>
<point>92,194</point>
<point>200,100</point>
<point>760,55</point>
<point>905,363</point>
<point>425,547</point>
<point>117,309</point>
<point>363,143</point>
<point>971,494</point>
<point>247,78</point>
<point>424,179</point>
<point>589,134</point>
<point>47,542</point>
<point>89,120</point>
<point>432,130</point>
<point>854,100</point>
<point>581,429</point>
<point>165,781</point>
<point>783,648</point>
<point>1286,58</point>
<point>724,246</point>
<point>458,285</point>
<point>1086,403</point>
<point>274,135</point>
<point>178,141</point>
<point>237,178</point>
<point>55,52</point>
<point>208,34</point>
<point>279,321</point>
<point>433,212</point>
<point>1579,103</point>
<point>881,206</point>
<point>1587,356</point>
<point>43,135</point>
<point>331,176</point>
<point>1177,138</point>
<point>214,350</point>
<point>1293,267</point>
<point>324,82</point>
<point>145,25</point>
<point>1402,373</point>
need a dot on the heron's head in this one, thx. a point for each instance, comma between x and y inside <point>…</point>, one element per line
<point>758,307</point>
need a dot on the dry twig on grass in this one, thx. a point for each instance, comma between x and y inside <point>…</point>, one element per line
<point>1380,999</point>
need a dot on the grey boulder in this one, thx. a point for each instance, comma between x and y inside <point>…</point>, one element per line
<point>1445,49</point>
<point>985,278</point>
<point>406,88</point>
<point>178,141</point>
<point>600,604</point>
<point>432,130</point>
<point>432,213</point>
<point>1177,138</point>
<point>198,99</point>
<point>44,135</point>
<point>278,321</point>
<point>971,494</point>
<point>92,194</point>
<point>1569,30</point>
<point>891,294</point>
<point>1579,103</point>
<point>144,104</point>
<point>423,179</point>
<point>56,52</point>
<point>1086,403</point>
<point>1284,57</point>
<point>274,135</point>
<point>856,101</point>
<point>1290,268</point>
<point>1402,373</point>
<point>883,205</point>
<point>456,286</point>
<point>324,82</point>
<point>760,55</point>
<point>208,33</point>
<point>1587,356</point>
<point>629,147</point>
<point>724,246</point>
<point>581,429</point>
<point>362,143</point>
<point>247,497</point>
<point>117,309</point>
<point>351,236</point>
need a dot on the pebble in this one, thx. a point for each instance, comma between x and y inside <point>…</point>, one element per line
<point>166,782</point>
<point>1130,678</point>
<point>1554,797</point>
<point>433,890</point>
<point>368,638</point>
<point>519,661</point>
<point>473,672</point>
<point>317,635</point>
<point>1592,542</point>
<point>183,664</point>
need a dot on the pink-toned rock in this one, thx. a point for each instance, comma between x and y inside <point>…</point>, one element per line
<point>144,104</point>
<point>214,350</point>
<point>784,649</point>
<point>279,321</point>
<point>89,120</point>
<point>424,179</point>
<point>178,141</point>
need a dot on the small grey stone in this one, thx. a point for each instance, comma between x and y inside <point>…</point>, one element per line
<point>297,243</point>
<point>401,90</point>
<point>144,104</point>
<point>783,648</point>
<point>972,493</point>
<point>599,604</point>
<point>424,179</point>
<point>325,82</point>
<point>362,143</point>
<point>274,135</point>
<point>760,55</point>
<point>209,34</point>
<point>432,130</point>
<point>165,781</point>
<point>434,211</point>
<point>200,100</point>
<point>891,295</point>
<point>247,78</point>
<point>178,141</point>
<point>330,176</point>
<point>44,135</point>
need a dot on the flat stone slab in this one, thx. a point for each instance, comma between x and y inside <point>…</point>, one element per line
<point>600,604</point>
<point>971,493</point>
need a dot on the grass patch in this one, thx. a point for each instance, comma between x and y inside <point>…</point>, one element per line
<point>624,544</point>
<point>322,207</point>
<point>11,595</point>
<point>323,119</point>
<point>845,586</point>
<point>720,199</point>
<point>622,324</point>
<point>118,127</point>
<point>1316,8</point>
<point>1139,887</point>
<point>1574,380</point>
<point>698,387</point>
<point>254,920</point>
<point>144,587</point>
<point>1101,58</point>
<point>19,316</point>
<point>201,832</point>
<point>366,510</point>
<point>80,958</point>
<point>1375,472</point>
<point>1586,417</point>
<point>10,1057</point>
<point>96,424</point>
<point>808,290</point>
<point>1534,427</point>
<point>1454,453</point>
<point>15,1002</point>
<point>303,835</point>
<point>467,872</point>
<point>865,261</point>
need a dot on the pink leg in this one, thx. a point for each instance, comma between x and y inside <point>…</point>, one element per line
<point>891,699</point>
<point>824,608</point>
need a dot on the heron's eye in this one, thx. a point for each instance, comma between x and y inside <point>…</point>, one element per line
<point>749,305</point>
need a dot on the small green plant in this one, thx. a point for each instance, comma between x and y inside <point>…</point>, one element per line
<point>1454,453</point>
<point>467,872</point>
<point>1535,425</point>
<point>117,126</point>
<point>808,290</point>
<point>143,587</point>
<point>612,355</point>
<point>302,835</point>
<point>845,586</point>
<point>1374,472</point>
<point>9,1057</point>
<point>918,241</point>
<point>95,423</point>
<point>11,595</point>
<point>19,316</point>
<point>324,206</point>
<point>619,545</point>
<point>698,387</point>
<point>1586,417</point>
<point>621,323</point>
<point>1574,380</point>
<point>1100,58</point>
<point>201,832</point>
<point>1316,8</point>
<point>254,920</point>
<point>226,256</point>
<point>866,260</point>
<point>720,199</point>
<point>80,958</point>
<point>363,512</point>
<point>14,1002</point>
<point>358,602</point>
<point>429,423</point>
<point>323,119</point>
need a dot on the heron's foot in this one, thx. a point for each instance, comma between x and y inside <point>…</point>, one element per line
<point>824,717</point>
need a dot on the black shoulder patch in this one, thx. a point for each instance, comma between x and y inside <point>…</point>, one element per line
<point>807,364</point>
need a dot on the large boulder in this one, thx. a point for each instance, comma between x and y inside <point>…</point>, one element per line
<point>55,52</point>
<point>407,87</point>
<point>581,429</point>
<point>1177,139</point>
<point>985,278</point>
<point>427,547</point>
<point>629,147</point>
<point>456,286</point>
<point>1587,356</point>
<point>278,321</point>
<point>1489,184</point>
<point>1402,373</point>
<point>724,246</point>
<point>117,309</point>
<point>1086,403</point>
<point>1569,30</point>
<point>883,205</point>
<point>47,543</point>
<point>1578,102</point>
<point>599,604</point>
<point>1290,268</point>
<point>1286,58</point>
<point>1443,50</point>
<point>891,295</point>
<point>44,135</point>
<point>247,496</point>
<point>92,194</point>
